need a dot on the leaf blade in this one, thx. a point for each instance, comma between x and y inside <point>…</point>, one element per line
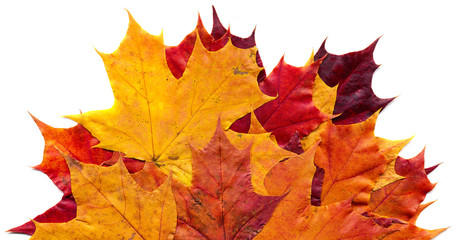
<point>144,125</point>
<point>106,212</point>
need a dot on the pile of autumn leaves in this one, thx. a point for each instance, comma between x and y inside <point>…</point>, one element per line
<point>201,144</point>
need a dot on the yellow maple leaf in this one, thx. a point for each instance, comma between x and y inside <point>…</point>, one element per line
<point>155,115</point>
<point>110,205</point>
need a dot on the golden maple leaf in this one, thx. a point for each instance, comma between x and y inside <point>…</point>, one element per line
<point>155,115</point>
<point>111,205</point>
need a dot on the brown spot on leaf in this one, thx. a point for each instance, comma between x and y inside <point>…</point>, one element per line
<point>133,235</point>
<point>237,71</point>
<point>173,157</point>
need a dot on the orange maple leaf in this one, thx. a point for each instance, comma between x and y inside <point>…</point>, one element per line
<point>351,159</point>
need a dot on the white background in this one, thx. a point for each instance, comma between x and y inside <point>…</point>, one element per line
<point>48,66</point>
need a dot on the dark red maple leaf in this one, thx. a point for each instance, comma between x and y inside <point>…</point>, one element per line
<point>219,31</point>
<point>353,73</point>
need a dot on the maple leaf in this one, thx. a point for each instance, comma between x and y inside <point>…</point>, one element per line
<point>296,218</point>
<point>401,199</point>
<point>112,206</point>
<point>293,87</point>
<point>352,72</point>
<point>351,159</point>
<point>78,143</point>
<point>293,109</point>
<point>351,153</point>
<point>143,121</point>
<point>221,203</point>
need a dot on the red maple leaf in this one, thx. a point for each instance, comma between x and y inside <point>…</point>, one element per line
<point>401,199</point>
<point>221,203</point>
<point>293,109</point>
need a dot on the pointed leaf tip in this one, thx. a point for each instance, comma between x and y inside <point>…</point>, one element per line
<point>218,30</point>
<point>431,169</point>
